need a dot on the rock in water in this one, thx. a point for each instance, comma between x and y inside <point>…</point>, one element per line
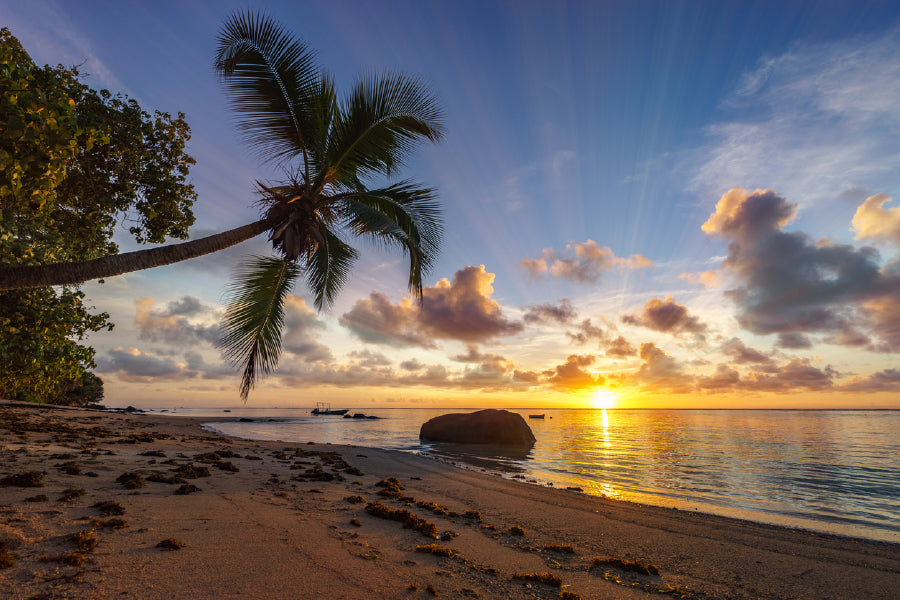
<point>492,426</point>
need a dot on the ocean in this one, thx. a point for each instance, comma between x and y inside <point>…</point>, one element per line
<point>834,471</point>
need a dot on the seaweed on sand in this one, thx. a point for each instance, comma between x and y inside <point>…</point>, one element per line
<point>188,488</point>
<point>390,488</point>
<point>109,508</point>
<point>113,523</point>
<point>170,544</point>
<point>131,481</point>
<point>158,477</point>
<point>558,548</point>
<point>633,566</point>
<point>546,578</point>
<point>7,558</point>
<point>437,550</point>
<point>409,520</point>
<point>25,479</point>
<point>84,540</point>
<point>192,471</point>
<point>76,559</point>
<point>70,494</point>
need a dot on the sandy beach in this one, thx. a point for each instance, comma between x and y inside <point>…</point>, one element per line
<point>148,506</point>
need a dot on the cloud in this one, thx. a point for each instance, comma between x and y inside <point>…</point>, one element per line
<point>136,366</point>
<point>797,374</point>
<point>587,332</point>
<point>708,279</point>
<point>666,316</point>
<point>379,321</point>
<point>724,379</point>
<point>300,325</point>
<point>873,221</point>
<point>814,121</point>
<point>571,375</point>
<point>582,262</point>
<point>793,340</point>
<point>562,312</point>
<point>789,285</point>
<point>171,325</point>
<point>367,358</point>
<point>887,380</point>
<point>661,371</point>
<point>459,310</point>
<point>620,348</point>
<point>740,354</point>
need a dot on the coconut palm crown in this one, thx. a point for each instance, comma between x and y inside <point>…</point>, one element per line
<point>334,149</point>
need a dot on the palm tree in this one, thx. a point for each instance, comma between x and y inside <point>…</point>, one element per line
<point>333,150</point>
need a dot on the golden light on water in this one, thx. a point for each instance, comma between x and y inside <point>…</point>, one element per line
<point>603,399</point>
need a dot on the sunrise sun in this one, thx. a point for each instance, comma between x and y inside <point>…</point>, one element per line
<point>603,399</point>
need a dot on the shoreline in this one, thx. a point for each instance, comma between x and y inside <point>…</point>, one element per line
<point>279,526</point>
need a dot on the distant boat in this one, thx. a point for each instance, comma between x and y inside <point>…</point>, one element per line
<point>323,408</point>
<point>535,416</point>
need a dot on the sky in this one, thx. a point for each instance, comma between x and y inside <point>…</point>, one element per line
<point>646,205</point>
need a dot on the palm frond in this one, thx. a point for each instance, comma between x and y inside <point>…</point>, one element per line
<point>273,81</point>
<point>403,214</point>
<point>254,318</point>
<point>328,267</point>
<point>378,126</point>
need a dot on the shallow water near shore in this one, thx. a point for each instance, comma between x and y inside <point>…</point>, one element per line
<point>829,471</point>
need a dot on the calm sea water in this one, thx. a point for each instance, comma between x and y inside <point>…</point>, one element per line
<point>832,471</point>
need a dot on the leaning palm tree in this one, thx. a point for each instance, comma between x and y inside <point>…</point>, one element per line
<point>338,153</point>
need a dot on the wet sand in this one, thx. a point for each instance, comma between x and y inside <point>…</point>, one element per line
<point>286,520</point>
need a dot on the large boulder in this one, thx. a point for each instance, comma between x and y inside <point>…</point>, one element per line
<point>491,426</point>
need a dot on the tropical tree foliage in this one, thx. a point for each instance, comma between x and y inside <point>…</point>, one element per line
<point>73,163</point>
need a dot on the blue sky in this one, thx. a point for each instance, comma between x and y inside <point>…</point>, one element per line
<point>590,172</point>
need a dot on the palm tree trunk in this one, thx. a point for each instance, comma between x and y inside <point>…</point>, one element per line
<point>29,276</point>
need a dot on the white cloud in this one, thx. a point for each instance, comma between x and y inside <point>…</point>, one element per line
<point>817,120</point>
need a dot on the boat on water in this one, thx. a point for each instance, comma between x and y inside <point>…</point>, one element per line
<point>535,416</point>
<point>323,408</point>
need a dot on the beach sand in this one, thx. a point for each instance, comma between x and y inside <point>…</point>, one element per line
<point>266,522</point>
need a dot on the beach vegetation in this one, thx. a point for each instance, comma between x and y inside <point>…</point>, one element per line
<point>567,595</point>
<point>26,479</point>
<point>516,530</point>
<point>633,566</point>
<point>74,163</point>
<point>355,522</point>
<point>475,515</point>
<point>546,578</point>
<point>354,499</point>
<point>109,508</point>
<point>131,480</point>
<point>38,498</point>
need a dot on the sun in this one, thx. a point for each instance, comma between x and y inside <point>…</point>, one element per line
<point>603,399</point>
